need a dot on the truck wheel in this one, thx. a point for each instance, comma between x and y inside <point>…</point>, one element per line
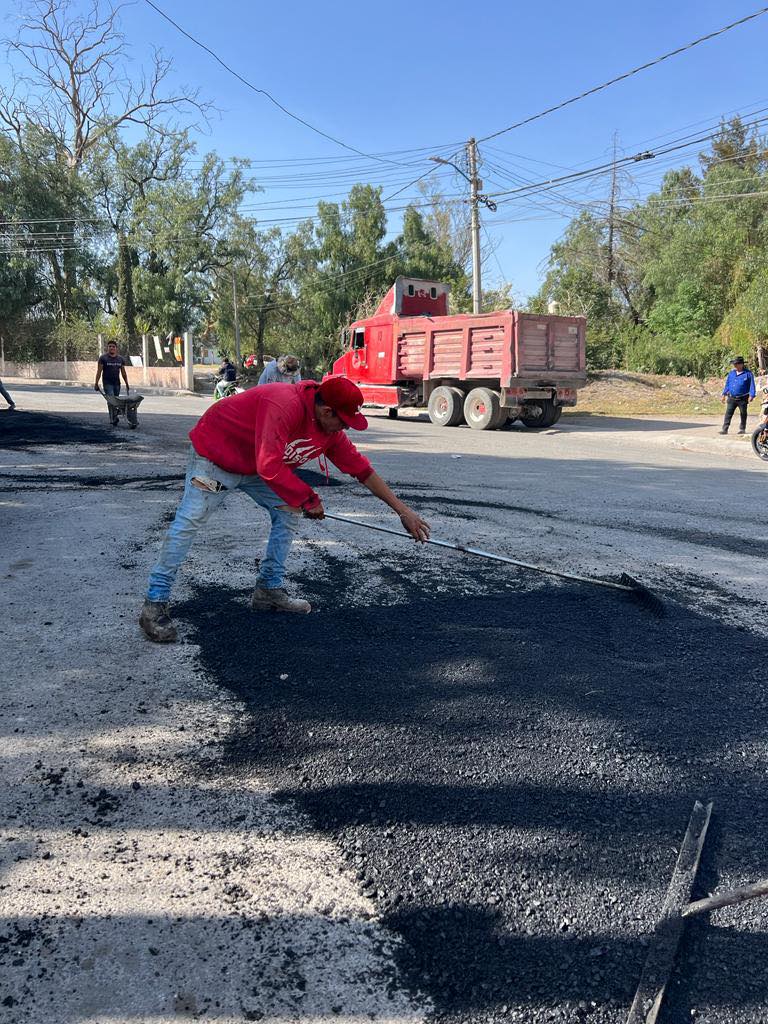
<point>392,413</point>
<point>446,407</point>
<point>482,409</point>
<point>545,418</point>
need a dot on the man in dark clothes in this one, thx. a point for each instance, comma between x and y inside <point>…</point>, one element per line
<point>228,370</point>
<point>738,392</point>
<point>111,365</point>
<point>227,375</point>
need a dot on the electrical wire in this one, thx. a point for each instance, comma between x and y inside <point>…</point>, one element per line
<point>430,170</point>
<point>324,280</point>
<point>627,74</point>
<point>263,92</point>
<point>601,168</point>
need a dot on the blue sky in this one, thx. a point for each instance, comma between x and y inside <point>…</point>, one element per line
<point>403,76</point>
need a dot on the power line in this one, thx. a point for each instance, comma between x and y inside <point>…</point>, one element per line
<point>601,168</point>
<point>429,170</point>
<point>295,161</point>
<point>263,92</point>
<point>328,280</point>
<point>625,75</point>
<point>748,110</point>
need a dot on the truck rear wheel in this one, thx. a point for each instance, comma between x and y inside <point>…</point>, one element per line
<point>446,407</point>
<point>482,409</point>
<point>550,413</point>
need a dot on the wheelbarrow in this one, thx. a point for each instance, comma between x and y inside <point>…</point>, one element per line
<point>123,406</point>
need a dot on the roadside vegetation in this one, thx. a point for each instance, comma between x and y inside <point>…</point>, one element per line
<point>677,283</point>
<point>112,222</point>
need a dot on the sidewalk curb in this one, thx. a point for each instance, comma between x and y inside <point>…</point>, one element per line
<point>142,389</point>
<point>713,446</point>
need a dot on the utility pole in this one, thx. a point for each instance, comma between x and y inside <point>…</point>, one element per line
<point>611,215</point>
<point>474,186</point>
<point>475,198</point>
<point>237,321</point>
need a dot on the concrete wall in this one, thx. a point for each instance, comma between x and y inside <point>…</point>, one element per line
<point>154,376</point>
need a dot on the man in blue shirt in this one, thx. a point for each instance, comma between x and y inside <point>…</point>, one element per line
<point>738,392</point>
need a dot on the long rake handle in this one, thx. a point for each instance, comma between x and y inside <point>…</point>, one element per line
<point>486,554</point>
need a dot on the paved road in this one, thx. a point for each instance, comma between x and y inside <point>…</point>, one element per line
<point>493,758</point>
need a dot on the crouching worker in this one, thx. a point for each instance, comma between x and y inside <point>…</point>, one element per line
<point>250,442</point>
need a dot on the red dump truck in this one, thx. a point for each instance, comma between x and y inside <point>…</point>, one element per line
<point>482,368</point>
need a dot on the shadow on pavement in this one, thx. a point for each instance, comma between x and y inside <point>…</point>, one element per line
<point>509,774</point>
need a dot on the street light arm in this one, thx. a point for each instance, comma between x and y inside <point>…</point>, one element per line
<point>440,160</point>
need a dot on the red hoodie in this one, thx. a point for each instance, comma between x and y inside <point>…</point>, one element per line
<point>267,429</point>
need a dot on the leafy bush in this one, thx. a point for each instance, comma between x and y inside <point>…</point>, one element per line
<point>637,349</point>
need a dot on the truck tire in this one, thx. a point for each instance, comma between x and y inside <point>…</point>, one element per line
<point>446,407</point>
<point>549,414</point>
<point>482,409</point>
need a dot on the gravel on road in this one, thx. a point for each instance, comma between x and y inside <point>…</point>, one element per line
<point>510,773</point>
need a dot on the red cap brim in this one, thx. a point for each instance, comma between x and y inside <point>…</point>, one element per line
<point>355,420</point>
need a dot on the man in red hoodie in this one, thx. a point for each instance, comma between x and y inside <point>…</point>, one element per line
<point>251,442</point>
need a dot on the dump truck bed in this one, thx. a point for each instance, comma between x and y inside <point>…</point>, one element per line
<point>506,347</point>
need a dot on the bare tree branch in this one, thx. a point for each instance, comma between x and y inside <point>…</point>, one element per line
<point>77,87</point>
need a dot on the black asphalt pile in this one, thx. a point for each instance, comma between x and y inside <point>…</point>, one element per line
<point>21,429</point>
<point>509,776</point>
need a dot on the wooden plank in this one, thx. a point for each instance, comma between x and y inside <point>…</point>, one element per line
<point>666,937</point>
<point>727,899</point>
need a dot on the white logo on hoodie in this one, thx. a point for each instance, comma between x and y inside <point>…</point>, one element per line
<point>300,451</point>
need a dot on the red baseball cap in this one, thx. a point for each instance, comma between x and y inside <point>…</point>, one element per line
<point>345,398</point>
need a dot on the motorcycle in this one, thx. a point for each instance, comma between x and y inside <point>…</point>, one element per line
<point>760,433</point>
<point>226,388</point>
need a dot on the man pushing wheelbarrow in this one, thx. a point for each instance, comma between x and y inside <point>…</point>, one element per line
<point>110,366</point>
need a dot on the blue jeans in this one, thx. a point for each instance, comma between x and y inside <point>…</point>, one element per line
<point>195,509</point>
<point>112,389</point>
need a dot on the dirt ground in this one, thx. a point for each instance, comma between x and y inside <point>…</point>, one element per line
<point>455,791</point>
<point>618,393</point>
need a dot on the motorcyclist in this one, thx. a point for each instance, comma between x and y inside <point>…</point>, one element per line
<point>227,375</point>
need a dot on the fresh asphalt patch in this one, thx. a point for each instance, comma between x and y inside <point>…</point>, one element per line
<point>22,429</point>
<point>510,773</point>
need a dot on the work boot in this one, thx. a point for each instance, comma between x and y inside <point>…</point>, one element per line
<point>741,432</point>
<point>277,599</point>
<point>156,622</point>
<point>723,431</point>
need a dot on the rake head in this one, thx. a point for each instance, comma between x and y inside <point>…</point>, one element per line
<point>644,597</point>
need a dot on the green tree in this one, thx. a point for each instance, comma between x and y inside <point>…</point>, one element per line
<point>72,88</point>
<point>422,255</point>
<point>184,229</point>
<point>264,267</point>
<point>126,303</point>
